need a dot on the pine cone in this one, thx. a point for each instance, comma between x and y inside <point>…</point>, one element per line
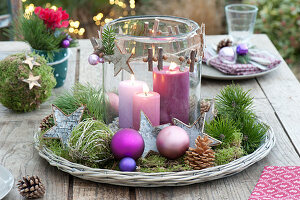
<point>31,187</point>
<point>47,123</point>
<point>202,156</point>
<point>204,106</point>
<point>224,43</point>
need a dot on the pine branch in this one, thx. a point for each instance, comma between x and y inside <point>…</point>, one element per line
<point>108,40</point>
<point>225,130</point>
<point>254,133</point>
<point>83,95</point>
<point>234,102</point>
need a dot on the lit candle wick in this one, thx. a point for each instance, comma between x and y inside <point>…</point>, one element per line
<point>145,89</point>
<point>172,66</point>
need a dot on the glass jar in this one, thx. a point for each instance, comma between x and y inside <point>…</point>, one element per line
<point>177,85</point>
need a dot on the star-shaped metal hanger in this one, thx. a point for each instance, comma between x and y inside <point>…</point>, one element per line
<point>64,124</point>
<point>149,133</point>
<point>32,81</point>
<point>30,61</point>
<point>196,129</point>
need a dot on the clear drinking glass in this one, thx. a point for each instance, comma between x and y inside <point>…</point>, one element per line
<point>240,21</point>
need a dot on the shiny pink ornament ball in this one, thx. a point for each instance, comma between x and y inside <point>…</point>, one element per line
<point>127,143</point>
<point>172,142</point>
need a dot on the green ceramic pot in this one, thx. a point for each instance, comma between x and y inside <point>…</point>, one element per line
<point>58,61</point>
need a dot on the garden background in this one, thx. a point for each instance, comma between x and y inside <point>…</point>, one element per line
<point>279,19</point>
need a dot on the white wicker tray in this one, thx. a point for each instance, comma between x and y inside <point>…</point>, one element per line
<point>140,179</point>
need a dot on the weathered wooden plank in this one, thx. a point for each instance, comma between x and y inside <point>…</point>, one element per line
<point>86,190</point>
<point>18,155</point>
<point>238,186</point>
<point>283,91</point>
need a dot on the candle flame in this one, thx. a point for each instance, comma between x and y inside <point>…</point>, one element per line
<point>133,51</point>
<point>132,78</point>
<point>145,88</point>
<point>172,66</point>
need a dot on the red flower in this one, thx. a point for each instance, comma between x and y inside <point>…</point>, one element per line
<point>53,18</point>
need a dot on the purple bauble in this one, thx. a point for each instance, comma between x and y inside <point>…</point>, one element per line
<point>127,143</point>
<point>101,60</point>
<point>172,142</point>
<point>227,54</point>
<point>65,43</point>
<point>127,164</point>
<point>93,59</point>
<point>242,49</point>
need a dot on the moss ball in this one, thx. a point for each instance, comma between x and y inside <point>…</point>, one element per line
<point>14,93</point>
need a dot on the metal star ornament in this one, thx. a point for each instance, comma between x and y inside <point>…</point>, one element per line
<point>149,133</point>
<point>121,61</point>
<point>30,61</point>
<point>196,129</point>
<point>64,124</point>
<point>32,81</point>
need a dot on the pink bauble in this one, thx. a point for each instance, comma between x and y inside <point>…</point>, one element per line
<point>93,59</point>
<point>113,101</point>
<point>127,143</point>
<point>172,142</point>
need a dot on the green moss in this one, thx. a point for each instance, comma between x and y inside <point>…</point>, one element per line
<point>227,155</point>
<point>14,93</point>
<point>157,163</point>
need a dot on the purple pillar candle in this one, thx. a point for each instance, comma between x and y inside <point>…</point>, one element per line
<point>173,86</point>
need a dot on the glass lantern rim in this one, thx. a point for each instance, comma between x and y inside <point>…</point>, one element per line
<point>180,36</point>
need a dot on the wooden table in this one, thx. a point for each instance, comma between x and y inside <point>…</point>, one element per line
<point>277,102</point>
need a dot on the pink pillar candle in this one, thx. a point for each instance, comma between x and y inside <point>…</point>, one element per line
<point>173,86</point>
<point>126,91</point>
<point>149,103</point>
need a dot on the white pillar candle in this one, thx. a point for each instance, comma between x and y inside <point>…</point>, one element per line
<point>126,91</point>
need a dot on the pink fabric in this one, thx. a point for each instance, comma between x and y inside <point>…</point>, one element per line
<point>239,69</point>
<point>278,183</point>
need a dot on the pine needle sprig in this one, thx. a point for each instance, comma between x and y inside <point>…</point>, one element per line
<point>225,130</point>
<point>234,102</point>
<point>254,132</point>
<point>108,40</point>
<point>35,32</point>
<point>86,95</point>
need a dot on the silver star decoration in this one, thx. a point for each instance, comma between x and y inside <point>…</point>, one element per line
<point>30,61</point>
<point>64,124</point>
<point>196,129</point>
<point>120,60</point>
<point>184,62</point>
<point>32,81</point>
<point>149,133</point>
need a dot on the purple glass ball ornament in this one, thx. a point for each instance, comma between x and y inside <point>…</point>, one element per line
<point>65,43</point>
<point>127,164</point>
<point>172,142</point>
<point>127,143</point>
<point>227,54</point>
<point>101,60</point>
<point>93,59</point>
<point>242,49</point>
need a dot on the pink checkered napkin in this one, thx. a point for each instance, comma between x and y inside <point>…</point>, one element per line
<point>278,183</point>
<point>239,69</point>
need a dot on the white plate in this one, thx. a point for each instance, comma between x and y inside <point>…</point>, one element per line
<point>212,73</point>
<point>6,182</point>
